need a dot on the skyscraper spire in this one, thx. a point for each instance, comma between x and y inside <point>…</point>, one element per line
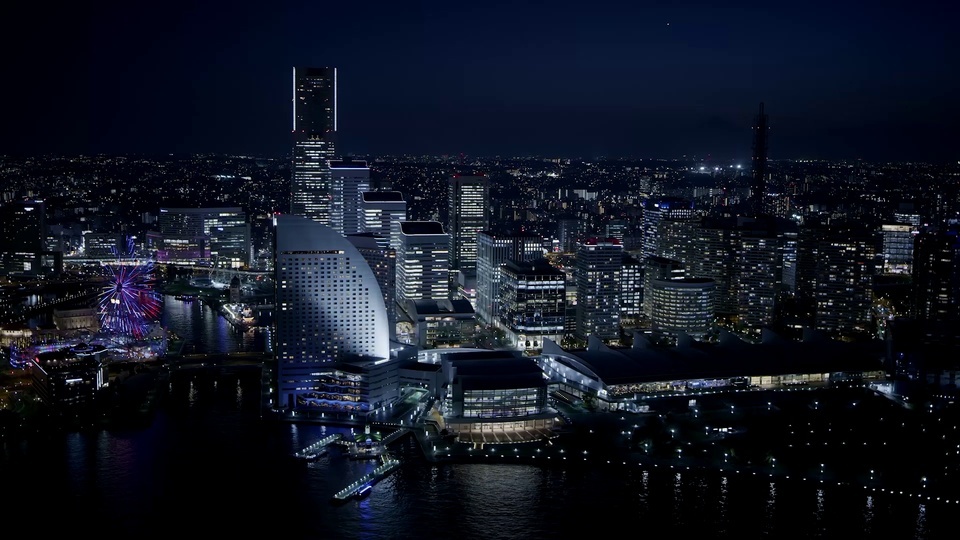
<point>758,187</point>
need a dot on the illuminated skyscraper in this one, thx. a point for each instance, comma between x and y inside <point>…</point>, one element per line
<point>423,262</point>
<point>657,240</point>
<point>221,235</point>
<point>381,213</point>
<point>493,250</point>
<point>330,310</point>
<point>848,258</point>
<point>314,141</point>
<point>468,199</point>
<point>23,227</point>
<point>598,288</point>
<point>532,306</point>
<point>350,179</point>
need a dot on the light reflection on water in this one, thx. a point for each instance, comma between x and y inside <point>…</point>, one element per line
<point>209,447</point>
<point>204,330</point>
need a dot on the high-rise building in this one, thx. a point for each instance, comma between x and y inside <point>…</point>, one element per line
<point>849,257</point>
<point>533,304</point>
<point>423,262</point>
<point>331,321</point>
<point>493,250</point>
<point>897,247</point>
<point>468,213</point>
<point>765,268</point>
<point>656,211</point>
<point>314,141</point>
<point>631,288</point>
<point>716,241</point>
<point>682,305</point>
<point>221,235</point>
<point>659,268</point>
<point>382,260</point>
<point>23,226</point>
<point>381,213</point>
<point>349,179</point>
<point>598,288</point>
<point>936,273</point>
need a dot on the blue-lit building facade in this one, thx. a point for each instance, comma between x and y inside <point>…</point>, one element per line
<point>332,336</point>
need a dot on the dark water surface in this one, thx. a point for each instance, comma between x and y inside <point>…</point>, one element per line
<point>211,466</point>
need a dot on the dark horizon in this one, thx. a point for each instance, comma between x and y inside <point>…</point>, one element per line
<point>646,81</point>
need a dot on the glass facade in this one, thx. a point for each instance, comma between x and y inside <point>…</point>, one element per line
<point>503,402</point>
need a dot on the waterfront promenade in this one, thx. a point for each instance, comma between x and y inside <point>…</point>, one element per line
<point>839,436</point>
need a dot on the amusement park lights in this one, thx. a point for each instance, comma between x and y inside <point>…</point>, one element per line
<point>129,305</point>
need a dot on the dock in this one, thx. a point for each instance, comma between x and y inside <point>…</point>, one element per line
<point>362,486</point>
<point>316,449</point>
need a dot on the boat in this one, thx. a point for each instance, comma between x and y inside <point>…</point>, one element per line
<point>364,491</point>
<point>186,297</point>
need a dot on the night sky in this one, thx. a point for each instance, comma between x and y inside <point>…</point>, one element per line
<point>876,81</point>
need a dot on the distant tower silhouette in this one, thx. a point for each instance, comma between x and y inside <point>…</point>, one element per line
<point>758,188</point>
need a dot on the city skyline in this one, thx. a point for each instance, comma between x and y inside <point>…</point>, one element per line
<point>642,81</point>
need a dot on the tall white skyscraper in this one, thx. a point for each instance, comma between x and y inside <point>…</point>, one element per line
<point>423,262</point>
<point>314,141</point>
<point>349,179</point>
<point>329,309</point>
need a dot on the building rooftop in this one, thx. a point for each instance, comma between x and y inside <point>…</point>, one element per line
<point>494,373</point>
<point>382,196</point>
<point>421,227</point>
<point>731,357</point>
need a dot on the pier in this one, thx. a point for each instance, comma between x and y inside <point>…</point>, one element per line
<point>316,449</point>
<point>387,465</point>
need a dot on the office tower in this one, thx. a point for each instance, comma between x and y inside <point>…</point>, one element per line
<point>533,304</point>
<point>468,213</point>
<point>936,273</point>
<point>493,250</point>
<point>329,310</point>
<point>423,262</point>
<point>104,246</point>
<point>758,188</point>
<point>349,179</point>
<point>598,288</point>
<point>221,235</point>
<point>849,257</point>
<point>631,289</point>
<point>659,268</point>
<point>23,226</point>
<point>655,211</point>
<point>381,213</point>
<point>382,260</point>
<point>897,247</point>
<point>314,141</point>
<point>682,305</point>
